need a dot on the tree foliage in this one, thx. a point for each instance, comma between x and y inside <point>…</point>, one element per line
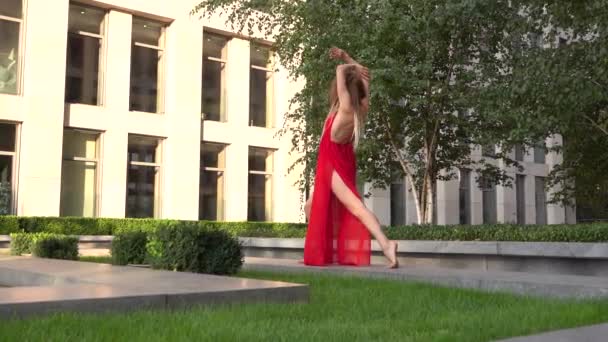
<point>445,81</point>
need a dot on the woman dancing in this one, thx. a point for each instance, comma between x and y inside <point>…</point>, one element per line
<point>339,223</point>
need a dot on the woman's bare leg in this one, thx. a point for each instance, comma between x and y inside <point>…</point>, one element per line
<point>353,204</point>
<point>307,208</point>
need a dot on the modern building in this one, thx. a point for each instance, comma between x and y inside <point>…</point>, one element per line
<point>127,108</point>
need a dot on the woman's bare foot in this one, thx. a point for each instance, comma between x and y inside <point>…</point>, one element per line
<point>391,254</point>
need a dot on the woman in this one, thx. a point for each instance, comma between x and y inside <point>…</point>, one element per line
<point>339,223</point>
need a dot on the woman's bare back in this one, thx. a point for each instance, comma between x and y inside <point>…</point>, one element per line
<point>342,129</point>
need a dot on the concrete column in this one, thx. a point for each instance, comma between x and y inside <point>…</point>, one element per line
<point>476,200</point>
<point>44,90</point>
<point>380,204</point>
<point>556,213</point>
<point>448,206</point>
<point>183,114</point>
<point>530,195</point>
<point>115,140</point>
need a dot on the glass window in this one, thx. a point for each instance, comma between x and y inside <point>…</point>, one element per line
<point>143,177</point>
<point>539,153</point>
<point>79,173</point>
<point>519,152</point>
<point>85,41</point>
<point>260,184</point>
<point>398,198</point>
<point>214,77</point>
<point>520,198</point>
<point>147,64</point>
<point>8,134</point>
<point>465,196</point>
<point>211,191</point>
<point>11,20</point>
<point>488,193</point>
<point>488,151</point>
<point>541,200</point>
<point>261,101</point>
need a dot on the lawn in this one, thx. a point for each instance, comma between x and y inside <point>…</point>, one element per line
<point>341,309</point>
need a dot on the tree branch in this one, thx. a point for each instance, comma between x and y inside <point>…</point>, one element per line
<point>595,124</point>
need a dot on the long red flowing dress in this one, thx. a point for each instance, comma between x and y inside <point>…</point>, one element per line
<point>334,235</point>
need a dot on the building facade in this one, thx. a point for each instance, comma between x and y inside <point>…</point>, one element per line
<point>127,108</point>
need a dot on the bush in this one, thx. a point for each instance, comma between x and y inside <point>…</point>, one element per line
<point>191,248</point>
<point>594,232</point>
<point>55,246</point>
<point>21,243</point>
<point>129,248</point>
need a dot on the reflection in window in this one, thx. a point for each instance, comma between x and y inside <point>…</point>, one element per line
<point>85,41</point>
<point>11,22</point>
<point>214,77</point>
<point>540,200</point>
<point>464,198</point>
<point>260,185</point>
<point>79,174</point>
<point>143,177</point>
<point>489,205</point>
<point>8,135</point>
<point>147,63</point>
<point>520,198</point>
<point>260,87</point>
<point>211,192</point>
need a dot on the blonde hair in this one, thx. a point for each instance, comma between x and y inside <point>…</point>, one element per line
<point>356,89</point>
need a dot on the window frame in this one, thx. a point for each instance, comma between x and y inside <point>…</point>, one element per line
<point>269,194</point>
<point>15,165</point>
<point>158,177</point>
<point>102,37</point>
<point>161,66</point>
<point>20,47</point>
<point>468,205</point>
<point>223,76</point>
<point>219,170</point>
<point>270,77</point>
<point>97,161</point>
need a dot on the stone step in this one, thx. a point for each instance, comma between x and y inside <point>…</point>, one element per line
<point>532,284</point>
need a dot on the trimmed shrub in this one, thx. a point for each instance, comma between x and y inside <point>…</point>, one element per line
<point>55,246</point>
<point>191,248</point>
<point>594,232</point>
<point>9,224</point>
<point>21,243</point>
<point>129,248</point>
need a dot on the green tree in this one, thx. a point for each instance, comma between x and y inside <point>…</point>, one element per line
<point>562,84</point>
<point>437,68</point>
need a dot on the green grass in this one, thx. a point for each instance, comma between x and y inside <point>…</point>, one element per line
<point>340,309</point>
<point>98,259</point>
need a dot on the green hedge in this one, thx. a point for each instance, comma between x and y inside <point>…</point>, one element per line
<point>45,245</point>
<point>193,249</point>
<point>111,226</point>
<point>594,232</point>
<point>129,248</point>
<point>56,246</point>
<point>184,246</point>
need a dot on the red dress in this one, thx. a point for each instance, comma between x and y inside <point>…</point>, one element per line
<point>334,235</point>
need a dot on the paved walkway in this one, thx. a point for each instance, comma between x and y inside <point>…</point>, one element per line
<point>561,286</point>
<point>594,333</point>
<point>40,286</point>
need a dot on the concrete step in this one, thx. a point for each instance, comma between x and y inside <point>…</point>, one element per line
<point>532,284</point>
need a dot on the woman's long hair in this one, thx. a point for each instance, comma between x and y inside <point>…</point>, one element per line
<point>357,92</point>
